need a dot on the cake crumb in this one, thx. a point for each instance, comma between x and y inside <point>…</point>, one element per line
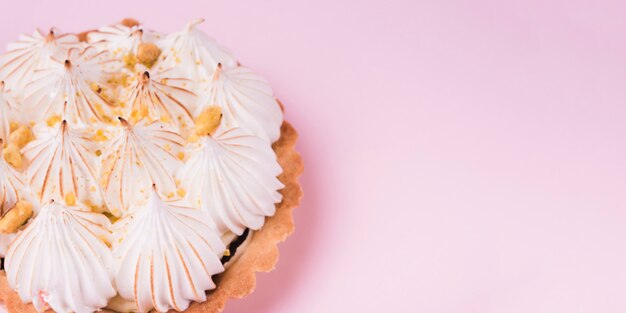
<point>138,114</point>
<point>53,120</point>
<point>99,136</point>
<point>70,199</point>
<point>193,138</point>
<point>227,252</point>
<point>208,121</point>
<point>21,136</point>
<point>148,53</point>
<point>16,217</point>
<point>13,156</point>
<point>181,155</point>
<point>165,119</point>
<point>130,60</point>
<point>13,126</point>
<point>181,192</point>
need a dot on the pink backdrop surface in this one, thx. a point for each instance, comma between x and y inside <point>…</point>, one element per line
<point>461,156</point>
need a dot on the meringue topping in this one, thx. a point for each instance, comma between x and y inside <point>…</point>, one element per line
<point>12,185</point>
<point>139,156</point>
<point>232,176</point>
<point>60,164</point>
<point>31,53</point>
<point>157,97</point>
<point>66,88</point>
<point>8,111</point>
<point>167,256</point>
<point>246,99</point>
<point>194,53</point>
<point>61,261</point>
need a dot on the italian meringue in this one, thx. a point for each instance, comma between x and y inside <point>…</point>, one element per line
<point>167,256</point>
<point>160,98</point>
<point>61,261</point>
<point>12,185</point>
<point>246,99</point>
<point>71,87</point>
<point>32,53</point>
<point>121,40</point>
<point>60,166</point>
<point>232,175</point>
<point>194,53</point>
<point>140,155</point>
<point>8,111</point>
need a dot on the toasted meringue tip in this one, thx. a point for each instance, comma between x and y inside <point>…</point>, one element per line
<point>145,77</point>
<point>50,36</point>
<point>191,25</point>
<point>124,122</point>
<point>218,71</point>
<point>138,32</point>
<point>155,191</point>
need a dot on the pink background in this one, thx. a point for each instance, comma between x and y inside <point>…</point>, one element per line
<point>464,156</point>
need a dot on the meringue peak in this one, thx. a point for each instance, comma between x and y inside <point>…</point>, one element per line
<point>78,261</point>
<point>60,166</point>
<point>171,253</point>
<point>141,155</point>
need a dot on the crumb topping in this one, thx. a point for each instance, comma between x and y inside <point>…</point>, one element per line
<point>208,121</point>
<point>16,217</point>
<point>13,156</point>
<point>148,53</point>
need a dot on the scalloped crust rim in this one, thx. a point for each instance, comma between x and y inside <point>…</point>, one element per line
<point>261,255</point>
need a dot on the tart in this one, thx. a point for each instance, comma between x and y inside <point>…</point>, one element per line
<point>140,171</point>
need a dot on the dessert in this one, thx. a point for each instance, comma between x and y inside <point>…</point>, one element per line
<point>140,171</point>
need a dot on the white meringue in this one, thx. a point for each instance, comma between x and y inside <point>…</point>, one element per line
<point>12,185</point>
<point>194,53</point>
<point>5,243</point>
<point>71,88</point>
<point>247,101</point>
<point>60,261</point>
<point>140,155</point>
<point>167,256</point>
<point>31,53</point>
<point>120,39</point>
<point>161,98</point>
<point>61,165</point>
<point>8,111</point>
<point>232,176</point>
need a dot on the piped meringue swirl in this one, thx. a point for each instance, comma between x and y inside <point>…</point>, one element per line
<point>61,166</point>
<point>140,155</point>
<point>167,256</point>
<point>246,99</point>
<point>61,261</point>
<point>31,53</point>
<point>71,87</point>
<point>233,176</point>
<point>194,53</point>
